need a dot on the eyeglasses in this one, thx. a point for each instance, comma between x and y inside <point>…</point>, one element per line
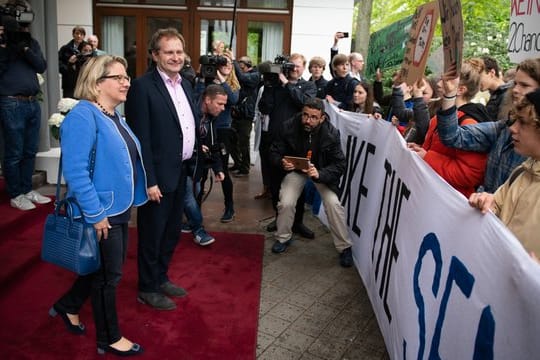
<point>119,78</point>
<point>310,117</point>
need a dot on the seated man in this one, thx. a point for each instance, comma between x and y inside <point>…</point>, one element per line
<point>308,135</point>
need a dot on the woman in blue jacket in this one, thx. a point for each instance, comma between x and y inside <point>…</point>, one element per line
<point>102,166</point>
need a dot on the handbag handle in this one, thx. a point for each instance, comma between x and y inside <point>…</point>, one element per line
<point>59,203</point>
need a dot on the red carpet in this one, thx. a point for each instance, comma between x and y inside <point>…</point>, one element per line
<point>217,320</point>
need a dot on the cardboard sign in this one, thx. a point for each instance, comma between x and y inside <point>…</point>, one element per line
<point>421,35</point>
<point>524,36</point>
<point>386,46</point>
<point>452,31</point>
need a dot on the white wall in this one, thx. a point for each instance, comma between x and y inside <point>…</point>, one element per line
<point>70,14</point>
<point>314,24</point>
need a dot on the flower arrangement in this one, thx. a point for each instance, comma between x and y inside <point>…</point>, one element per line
<point>63,107</point>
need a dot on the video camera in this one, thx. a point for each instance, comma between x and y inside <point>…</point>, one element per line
<point>19,10</point>
<point>281,65</point>
<point>209,65</point>
<point>217,149</point>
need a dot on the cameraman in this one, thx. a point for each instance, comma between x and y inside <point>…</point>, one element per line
<point>244,112</point>
<point>20,115</point>
<point>70,60</point>
<point>282,98</point>
<point>219,70</point>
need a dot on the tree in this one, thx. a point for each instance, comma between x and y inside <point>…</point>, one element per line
<point>484,22</point>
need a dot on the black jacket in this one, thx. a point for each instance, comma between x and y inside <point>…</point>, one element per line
<point>283,102</point>
<point>325,145</point>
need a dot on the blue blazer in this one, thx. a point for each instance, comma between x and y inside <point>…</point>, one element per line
<point>151,114</point>
<point>113,189</point>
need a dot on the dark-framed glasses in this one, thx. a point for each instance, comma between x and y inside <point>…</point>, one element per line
<point>119,78</point>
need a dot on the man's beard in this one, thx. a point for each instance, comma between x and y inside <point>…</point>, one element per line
<point>308,128</point>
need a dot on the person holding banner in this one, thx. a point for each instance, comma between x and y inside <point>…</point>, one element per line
<point>463,170</point>
<point>492,137</point>
<point>309,135</point>
<point>517,201</point>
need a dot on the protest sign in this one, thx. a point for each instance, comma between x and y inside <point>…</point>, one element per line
<point>452,31</point>
<point>421,34</point>
<point>524,36</point>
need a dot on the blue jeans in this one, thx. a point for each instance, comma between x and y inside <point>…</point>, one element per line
<point>20,120</point>
<point>191,206</point>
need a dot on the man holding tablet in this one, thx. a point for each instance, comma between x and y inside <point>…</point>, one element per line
<point>310,147</point>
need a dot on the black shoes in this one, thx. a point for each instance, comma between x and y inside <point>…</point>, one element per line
<point>299,229</point>
<point>136,349</point>
<point>156,300</point>
<point>228,215</point>
<point>280,247</point>
<point>303,231</point>
<point>345,258</point>
<point>74,329</point>
<point>272,227</point>
<point>170,289</point>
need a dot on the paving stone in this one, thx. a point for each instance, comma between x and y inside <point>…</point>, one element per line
<point>314,288</point>
<point>273,325</point>
<point>274,293</point>
<point>294,340</point>
<point>265,306</point>
<point>322,312</point>
<point>309,325</point>
<point>300,299</point>
<point>329,348</point>
<point>278,353</point>
<point>263,341</point>
<point>286,311</point>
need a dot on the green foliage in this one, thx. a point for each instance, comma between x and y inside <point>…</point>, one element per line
<point>486,25</point>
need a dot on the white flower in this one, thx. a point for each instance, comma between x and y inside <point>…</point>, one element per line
<point>66,104</point>
<point>56,119</point>
<point>41,79</point>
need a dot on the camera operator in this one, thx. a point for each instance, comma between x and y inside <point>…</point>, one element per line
<point>284,96</point>
<point>20,114</point>
<point>244,112</point>
<point>219,70</point>
<point>70,60</point>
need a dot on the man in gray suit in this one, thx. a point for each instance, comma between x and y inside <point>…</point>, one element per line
<point>160,111</point>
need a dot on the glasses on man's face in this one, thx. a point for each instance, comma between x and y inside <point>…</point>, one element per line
<point>119,78</point>
<point>309,117</point>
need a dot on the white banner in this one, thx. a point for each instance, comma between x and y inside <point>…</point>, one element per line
<point>524,36</point>
<point>444,280</point>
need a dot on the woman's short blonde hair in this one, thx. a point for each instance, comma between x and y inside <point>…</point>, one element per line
<point>92,73</point>
<point>527,108</point>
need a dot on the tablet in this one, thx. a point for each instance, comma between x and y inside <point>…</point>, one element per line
<point>300,163</point>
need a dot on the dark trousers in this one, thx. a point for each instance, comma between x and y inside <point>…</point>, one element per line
<point>101,287</point>
<point>264,153</point>
<point>159,226</point>
<point>241,153</point>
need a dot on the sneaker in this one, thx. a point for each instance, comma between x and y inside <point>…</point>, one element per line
<point>345,258</point>
<point>228,215</point>
<point>202,238</point>
<point>22,203</point>
<point>280,247</point>
<point>37,198</point>
<point>186,228</point>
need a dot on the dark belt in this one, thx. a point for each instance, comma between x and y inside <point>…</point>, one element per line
<point>23,97</point>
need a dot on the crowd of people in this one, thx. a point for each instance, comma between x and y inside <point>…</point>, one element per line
<point>174,132</point>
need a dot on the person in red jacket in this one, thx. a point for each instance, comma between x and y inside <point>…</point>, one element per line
<point>463,170</point>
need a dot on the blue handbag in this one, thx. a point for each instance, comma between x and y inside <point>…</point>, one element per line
<point>67,241</point>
